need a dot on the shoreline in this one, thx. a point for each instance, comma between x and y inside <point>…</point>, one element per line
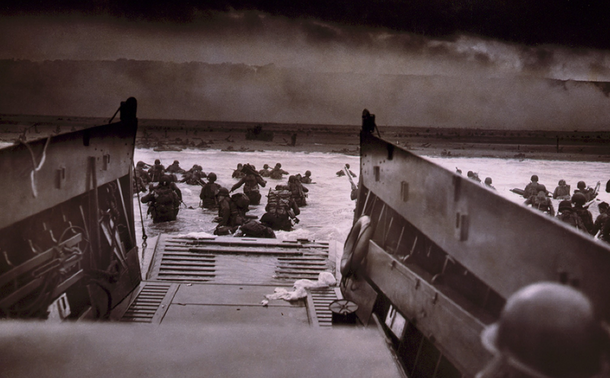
<point>174,135</point>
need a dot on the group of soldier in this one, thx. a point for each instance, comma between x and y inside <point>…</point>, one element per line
<point>281,211</point>
<point>573,208</point>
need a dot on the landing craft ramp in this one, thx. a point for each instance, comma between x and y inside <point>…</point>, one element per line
<point>222,280</point>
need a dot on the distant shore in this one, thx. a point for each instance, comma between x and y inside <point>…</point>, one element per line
<point>238,136</point>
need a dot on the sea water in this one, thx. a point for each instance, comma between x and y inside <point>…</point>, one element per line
<point>329,211</point>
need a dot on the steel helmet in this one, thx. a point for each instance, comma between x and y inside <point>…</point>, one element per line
<point>534,178</point>
<point>548,330</point>
<point>212,176</point>
<point>266,166</point>
<point>164,180</point>
<point>223,192</point>
<point>579,199</point>
<point>564,205</point>
<point>581,185</point>
<point>307,173</point>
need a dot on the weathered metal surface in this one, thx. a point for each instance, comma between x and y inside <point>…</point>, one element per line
<point>211,260</point>
<point>191,350</point>
<point>504,244</point>
<point>455,331</point>
<point>50,171</point>
<point>318,301</point>
<point>150,303</point>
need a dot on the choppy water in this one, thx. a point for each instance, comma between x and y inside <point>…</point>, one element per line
<point>328,215</point>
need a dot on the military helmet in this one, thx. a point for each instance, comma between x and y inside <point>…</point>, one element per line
<point>548,330</point>
<point>307,173</point>
<point>176,162</point>
<point>164,180</point>
<point>579,199</point>
<point>488,180</point>
<point>562,182</point>
<point>278,165</point>
<point>581,185</point>
<point>266,166</point>
<point>564,205</point>
<point>212,176</point>
<point>157,161</point>
<point>223,192</point>
<point>140,164</point>
<point>534,178</point>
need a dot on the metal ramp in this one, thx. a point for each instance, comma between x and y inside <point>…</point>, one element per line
<point>319,300</point>
<point>224,279</point>
<point>148,302</point>
<point>184,259</point>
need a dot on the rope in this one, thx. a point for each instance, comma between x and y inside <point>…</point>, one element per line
<point>144,237</point>
<point>36,167</point>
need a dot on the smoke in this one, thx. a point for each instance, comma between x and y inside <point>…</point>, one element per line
<point>257,67</point>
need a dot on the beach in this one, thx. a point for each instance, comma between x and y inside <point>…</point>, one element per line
<point>174,135</point>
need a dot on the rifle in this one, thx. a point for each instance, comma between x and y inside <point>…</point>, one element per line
<point>349,176</point>
<point>354,194</point>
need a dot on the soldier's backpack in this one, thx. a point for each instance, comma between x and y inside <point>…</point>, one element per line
<point>279,202</point>
<point>165,199</point>
<point>255,229</point>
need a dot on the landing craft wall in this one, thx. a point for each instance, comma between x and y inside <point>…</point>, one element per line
<point>446,253</point>
<point>67,224</point>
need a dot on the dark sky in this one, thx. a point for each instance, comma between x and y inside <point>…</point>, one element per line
<point>568,23</point>
<point>419,62</point>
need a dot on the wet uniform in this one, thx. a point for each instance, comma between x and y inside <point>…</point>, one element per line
<point>164,203</point>
<point>251,187</point>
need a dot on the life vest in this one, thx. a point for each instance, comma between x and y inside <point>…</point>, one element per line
<point>356,245</point>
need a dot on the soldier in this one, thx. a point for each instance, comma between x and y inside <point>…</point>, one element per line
<point>565,213</point>
<point>277,172</point>
<point>209,191</point>
<point>194,176</point>
<point>473,176</point>
<point>281,209</point>
<point>298,191</point>
<point>231,211</point>
<point>156,171</point>
<point>163,201</point>
<point>342,172</point>
<point>533,187</point>
<point>307,178</point>
<point>541,202</point>
<point>488,183</point>
<point>252,180</point>
<point>546,330</point>
<point>237,173</point>
<point>578,200</point>
<point>265,172</point>
<point>140,177</point>
<point>562,191</point>
<point>600,222</point>
<point>175,167</point>
<point>588,192</point>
